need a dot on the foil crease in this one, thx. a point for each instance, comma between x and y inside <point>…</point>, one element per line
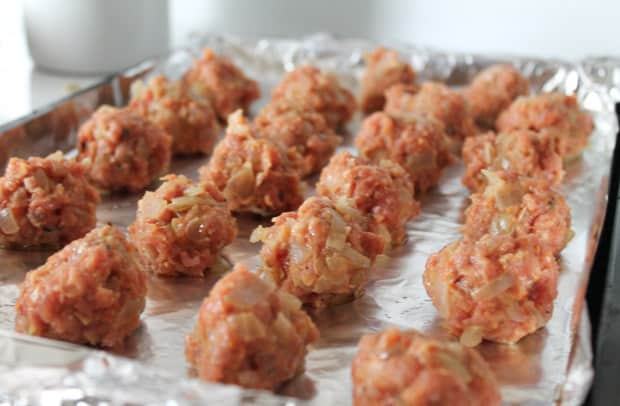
<point>549,367</point>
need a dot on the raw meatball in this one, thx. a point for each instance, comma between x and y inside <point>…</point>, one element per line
<point>216,78</point>
<point>523,152</point>
<point>497,288</point>
<point>90,292</point>
<point>318,253</point>
<point>492,91</point>
<point>409,368</point>
<point>256,175</point>
<point>301,128</point>
<point>249,333</point>
<point>555,113</point>
<point>519,206</point>
<point>311,88</point>
<point>415,142</point>
<point>384,68</point>
<point>181,228</point>
<point>384,192</point>
<point>123,151</point>
<point>45,202</point>
<point>190,120</point>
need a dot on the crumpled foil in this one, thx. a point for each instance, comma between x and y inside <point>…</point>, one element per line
<point>550,366</point>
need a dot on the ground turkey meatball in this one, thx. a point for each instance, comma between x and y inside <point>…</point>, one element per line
<point>249,333</point>
<point>90,292</point>
<point>190,120</point>
<point>255,174</point>
<point>523,152</point>
<point>555,113</point>
<point>123,151</point>
<point>311,88</point>
<point>382,191</point>
<point>45,202</point>
<point>384,68</point>
<point>318,253</point>
<point>415,142</point>
<point>216,78</point>
<point>497,288</point>
<point>519,206</point>
<point>411,369</point>
<point>301,128</point>
<point>181,228</point>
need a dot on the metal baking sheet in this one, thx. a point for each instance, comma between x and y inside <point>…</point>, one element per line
<point>551,366</point>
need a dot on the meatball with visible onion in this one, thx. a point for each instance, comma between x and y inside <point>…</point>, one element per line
<point>181,228</point>
<point>384,68</point>
<point>301,128</point>
<point>499,288</point>
<point>319,253</point>
<point>415,142</point>
<point>190,120</point>
<point>409,368</point>
<point>45,202</point>
<point>382,191</point>
<point>90,292</point>
<point>249,333</point>
<point>518,206</point>
<point>311,88</point>
<point>255,174</point>
<point>123,151</point>
<point>217,79</point>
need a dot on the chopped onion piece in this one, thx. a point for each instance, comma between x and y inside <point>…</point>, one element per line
<point>471,336</point>
<point>355,257</point>
<point>8,224</point>
<point>494,287</point>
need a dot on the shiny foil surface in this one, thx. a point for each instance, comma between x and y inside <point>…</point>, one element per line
<point>550,366</point>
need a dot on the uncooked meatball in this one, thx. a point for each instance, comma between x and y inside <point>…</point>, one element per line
<point>523,152</point>
<point>382,191</point>
<point>217,79</point>
<point>497,288</point>
<point>384,68</point>
<point>45,202</point>
<point>555,113</point>
<point>415,142</point>
<point>181,228</point>
<point>310,87</point>
<point>123,151</point>
<point>319,253</point>
<point>190,120</point>
<point>90,292</point>
<point>492,91</point>
<point>249,333</point>
<point>515,205</point>
<point>411,369</point>
<point>301,128</point>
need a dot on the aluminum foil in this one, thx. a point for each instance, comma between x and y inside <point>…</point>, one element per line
<point>549,367</point>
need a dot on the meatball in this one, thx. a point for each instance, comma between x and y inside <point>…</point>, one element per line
<point>415,142</point>
<point>311,88</point>
<point>190,120</point>
<point>519,206</point>
<point>123,151</point>
<point>301,128</point>
<point>255,174</point>
<point>409,368</point>
<point>90,292</point>
<point>498,288</point>
<point>181,228</point>
<point>216,78</point>
<point>249,333</point>
<point>384,68</point>
<point>45,202</point>
<point>384,192</point>
<point>523,152</point>
<point>555,113</point>
<point>319,253</point>
<point>492,91</point>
